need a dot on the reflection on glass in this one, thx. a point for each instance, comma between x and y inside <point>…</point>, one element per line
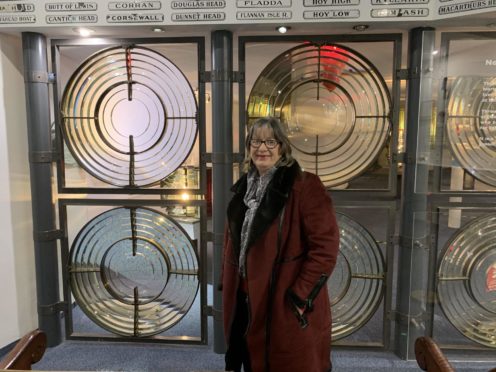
<point>134,271</point>
<point>471,125</point>
<point>129,116</point>
<point>467,280</point>
<point>356,285</point>
<point>334,103</point>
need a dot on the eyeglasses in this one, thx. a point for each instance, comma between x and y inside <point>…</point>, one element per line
<point>270,143</point>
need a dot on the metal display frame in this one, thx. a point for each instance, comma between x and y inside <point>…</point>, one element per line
<point>164,197</point>
<point>435,253</point>
<point>201,248</point>
<point>355,198</point>
<point>390,208</point>
<point>446,38</point>
<point>57,44</point>
<point>464,200</point>
<point>394,159</point>
<point>413,257</point>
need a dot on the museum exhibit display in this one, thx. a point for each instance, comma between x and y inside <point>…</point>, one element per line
<point>144,137</point>
<point>463,179</point>
<point>466,285</point>
<point>129,116</point>
<point>134,271</point>
<point>356,287</point>
<point>337,107</point>
<point>129,123</point>
<point>334,103</point>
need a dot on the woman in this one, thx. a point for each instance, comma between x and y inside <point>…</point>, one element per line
<point>280,247</point>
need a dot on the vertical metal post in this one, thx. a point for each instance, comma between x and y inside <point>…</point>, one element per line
<point>413,270</point>
<point>222,160</point>
<point>40,147</point>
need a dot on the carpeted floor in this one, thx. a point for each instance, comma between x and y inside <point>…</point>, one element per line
<point>121,356</point>
<point>104,356</point>
<point>133,357</point>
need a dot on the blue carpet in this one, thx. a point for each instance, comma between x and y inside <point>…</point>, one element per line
<point>105,356</point>
<point>120,356</point>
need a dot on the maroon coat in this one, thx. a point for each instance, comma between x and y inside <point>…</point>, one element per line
<point>287,265</point>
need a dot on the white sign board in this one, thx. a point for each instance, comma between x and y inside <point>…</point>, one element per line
<point>41,13</point>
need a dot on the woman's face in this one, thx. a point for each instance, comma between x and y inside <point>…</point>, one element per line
<point>263,157</point>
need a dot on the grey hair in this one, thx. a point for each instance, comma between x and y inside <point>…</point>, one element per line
<point>275,125</point>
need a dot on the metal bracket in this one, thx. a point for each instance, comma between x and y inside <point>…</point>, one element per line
<point>413,243</point>
<point>42,77</point>
<point>408,319</point>
<point>239,76</point>
<point>216,314</point>
<point>205,76</point>
<point>222,158</point>
<point>218,239</point>
<point>407,74</point>
<point>402,157</point>
<point>399,157</point>
<point>128,45</point>
<point>238,157</point>
<point>43,156</point>
<point>209,157</point>
<point>402,74</point>
<point>208,236</point>
<point>418,244</point>
<point>395,240</point>
<point>46,236</point>
<point>53,308</point>
<point>212,76</point>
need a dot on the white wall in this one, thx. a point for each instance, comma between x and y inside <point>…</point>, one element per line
<point>17,271</point>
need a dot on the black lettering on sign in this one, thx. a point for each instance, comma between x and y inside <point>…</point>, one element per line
<point>135,18</point>
<point>17,19</point>
<point>142,5</point>
<point>399,12</point>
<point>249,15</point>
<point>466,7</point>
<point>398,2</point>
<point>71,18</point>
<point>263,3</point>
<point>198,4</point>
<point>321,3</point>
<point>17,8</point>
<point>76,6</point>
<point>331,14</point>
<point>198,17</point>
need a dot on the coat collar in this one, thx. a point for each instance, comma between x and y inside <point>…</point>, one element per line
<point>273,201</point>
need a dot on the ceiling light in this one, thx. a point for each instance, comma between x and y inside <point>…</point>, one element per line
<point>283,29</point>
<point>84,32</point>
<point>360,27</point>
<point>434,52</point>
<point>158,29</point>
